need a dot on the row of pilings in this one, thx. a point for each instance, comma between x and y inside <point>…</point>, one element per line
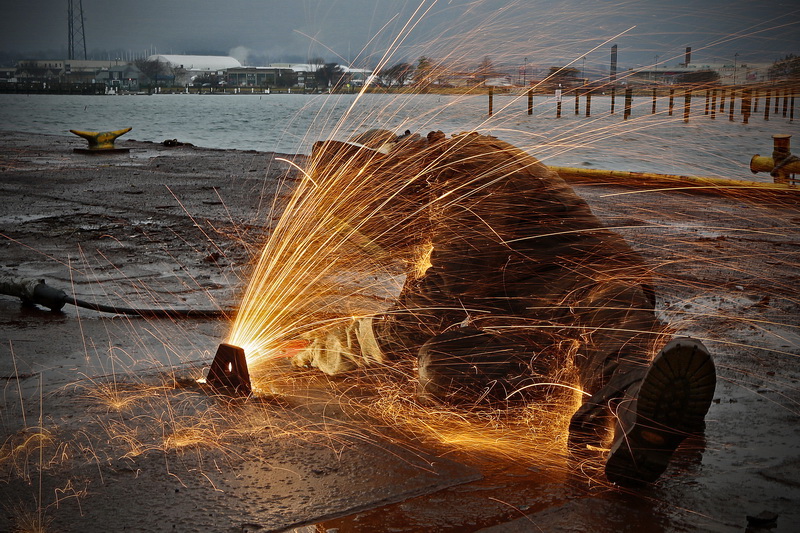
<point>750,100</point>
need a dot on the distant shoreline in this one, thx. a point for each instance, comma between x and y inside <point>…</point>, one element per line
<point>596,91</point>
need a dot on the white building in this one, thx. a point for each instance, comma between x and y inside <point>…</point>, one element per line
<point>197,64</point>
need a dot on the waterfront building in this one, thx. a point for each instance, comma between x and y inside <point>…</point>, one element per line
<point>261,77</point>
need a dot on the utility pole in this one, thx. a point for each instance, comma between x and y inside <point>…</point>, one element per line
<point>75,32</point>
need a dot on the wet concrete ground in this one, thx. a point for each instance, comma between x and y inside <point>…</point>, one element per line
<point>104,427</point>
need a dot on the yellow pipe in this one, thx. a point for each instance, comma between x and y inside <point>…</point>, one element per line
<point>698,181</point>
<point>787,164</point>
<point>766,164</point>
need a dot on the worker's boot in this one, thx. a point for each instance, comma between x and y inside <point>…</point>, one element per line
<point>657,414</point>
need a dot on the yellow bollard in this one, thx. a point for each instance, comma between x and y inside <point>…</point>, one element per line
<point>101,141</point>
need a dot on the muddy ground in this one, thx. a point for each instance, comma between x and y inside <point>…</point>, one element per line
<point>104,426</point>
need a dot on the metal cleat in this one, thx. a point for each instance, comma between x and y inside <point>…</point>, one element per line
<point>101,141</point>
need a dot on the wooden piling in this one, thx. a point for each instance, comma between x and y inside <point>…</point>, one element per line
<point>491,101</point>
<point>785,102</point>
<point>708,100</point>
<point>791,108</point>
<point>589,103</point>
<point>687,104</point>
<point>722,93</point>
<point>577,101</point>
<point>613,98</point>
<point>628,102</point>
<point>777,97</point>
<point>766,105</point>
<point>530,101</point>
<point>732,105</point>
<point>755,101</point>
<point>653,111</point>
<point>671,100</point>
<point>714,103</point>
<point>745,107</point>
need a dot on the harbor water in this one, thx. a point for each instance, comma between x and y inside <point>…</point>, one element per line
<point>291,123</point>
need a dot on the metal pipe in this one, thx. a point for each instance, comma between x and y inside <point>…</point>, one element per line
<point>781,164</point>
<point>786,164</point>
<point>697,181</point>
<point>761,163</point>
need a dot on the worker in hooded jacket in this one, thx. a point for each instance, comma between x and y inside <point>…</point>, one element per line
<point>524,285</point>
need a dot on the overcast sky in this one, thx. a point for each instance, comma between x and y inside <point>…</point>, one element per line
<point>544,32</point>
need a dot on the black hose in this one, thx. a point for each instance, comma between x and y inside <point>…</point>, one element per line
<point>153,313</point>
<point>36,291</point>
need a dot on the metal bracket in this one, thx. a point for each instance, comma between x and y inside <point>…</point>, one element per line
<point>229,372</point>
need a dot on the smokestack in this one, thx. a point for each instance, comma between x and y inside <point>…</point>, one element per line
<point>688,56</point>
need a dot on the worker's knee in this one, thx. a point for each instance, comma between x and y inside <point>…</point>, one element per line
<point>466,365</point>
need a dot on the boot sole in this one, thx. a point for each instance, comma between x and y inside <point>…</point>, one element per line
<point>671,405</point>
